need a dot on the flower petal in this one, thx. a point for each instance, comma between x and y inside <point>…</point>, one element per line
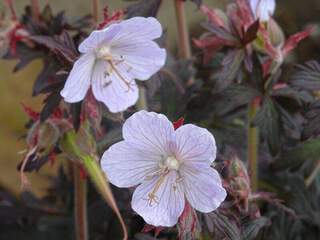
<point>195,145</point>
<point>98,38</point>
<point>140,59</point>
<point>150,132</point>
<point>78,81</point>
<point>263,9</point>
<point>126,166</point>
<point>203,188</point>
<point>138,29</point>
<point>111,88</point>
<point>170,201</point>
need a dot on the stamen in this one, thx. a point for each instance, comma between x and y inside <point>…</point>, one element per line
<point>128,83</point>
<point>152,195</point>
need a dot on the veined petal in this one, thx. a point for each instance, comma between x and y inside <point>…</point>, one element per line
<point>167,205</point>
<point>195,145</point>
<point>263,9</point>
<point>78,81</point>
<point>140,59</point>
<point>138,29</point>
<point>115,88</point>
<point>149,132</point>
<point>126,166</point>
<point>203,188</point>
<point>97,38</point>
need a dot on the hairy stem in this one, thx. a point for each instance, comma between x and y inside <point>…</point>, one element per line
<point>253,140</point>
<point>313,175</point>
<point>35,9</point>
<point>96,10</point>
<point>183,34</point>
<point>80,204</point>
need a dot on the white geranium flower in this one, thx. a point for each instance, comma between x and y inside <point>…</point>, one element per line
<point>168,166</point>
<point>112,59</point>
<point>263,9</point>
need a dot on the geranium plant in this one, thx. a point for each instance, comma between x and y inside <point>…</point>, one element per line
<point>219,141</point>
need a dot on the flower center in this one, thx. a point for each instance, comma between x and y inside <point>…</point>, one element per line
<point>172,163</point>
<point>169,164</point>
<point>104,53</point>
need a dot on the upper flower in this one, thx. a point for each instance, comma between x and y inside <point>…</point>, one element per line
<point>263,9</point>
<point>170,165</point>
<point>112,58</point>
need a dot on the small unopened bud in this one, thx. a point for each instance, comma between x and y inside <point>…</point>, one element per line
<point>48,135</point>
<point>276,34</point>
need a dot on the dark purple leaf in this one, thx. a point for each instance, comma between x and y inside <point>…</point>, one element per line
<point>50,104</point>
<point>251,34</point>
<point>144,8</point>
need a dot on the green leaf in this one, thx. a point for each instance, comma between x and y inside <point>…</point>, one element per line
<point>230,70</point>
<point>268,121</point>
<point>307,76</point>
<point>295,157</point>
<point>233,97</point>
<point>252,228</point>
<point>225,226</point>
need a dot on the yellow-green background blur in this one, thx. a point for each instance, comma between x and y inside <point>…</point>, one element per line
<point>16,88</point>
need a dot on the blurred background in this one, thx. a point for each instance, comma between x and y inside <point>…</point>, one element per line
<point>16,88</point>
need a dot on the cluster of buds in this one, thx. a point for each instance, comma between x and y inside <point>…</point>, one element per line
<point>248,25</point>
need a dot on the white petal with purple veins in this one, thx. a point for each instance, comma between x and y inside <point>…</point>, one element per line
<point>138,29</point>
<point>126,166</point>
<point>195,145</point>
<point>149,132</point>
<point>203,188</point>
<point>167,205</point>
<point>78,81</point>
<point>263,9</point>
<point>140,59</point>
<point>116,89</point>
<point>99,38</point>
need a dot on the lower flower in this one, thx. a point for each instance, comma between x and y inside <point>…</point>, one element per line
<point>169,166</point>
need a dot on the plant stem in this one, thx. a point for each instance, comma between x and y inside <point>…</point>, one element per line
<point>183,34</point>
<point>142,103</point>
<point>35,9</point>
<point>80,204</point>
<point>12,9</point>
<point>96,10</point>
<point>253,140</point>
<point>313,175</point>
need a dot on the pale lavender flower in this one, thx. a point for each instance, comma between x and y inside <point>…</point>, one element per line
<point>169,166</point>
<point>263,9</point>
<point>112,59</point>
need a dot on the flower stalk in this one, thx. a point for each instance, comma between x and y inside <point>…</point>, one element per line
<point>95,10</point>
<point>183,34</point>
<point>35,9</point>
<point>80,204</point>
<point>253,141</point>
<point>80,147</point>
<point>142,103</point>
<point>313,175</point>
